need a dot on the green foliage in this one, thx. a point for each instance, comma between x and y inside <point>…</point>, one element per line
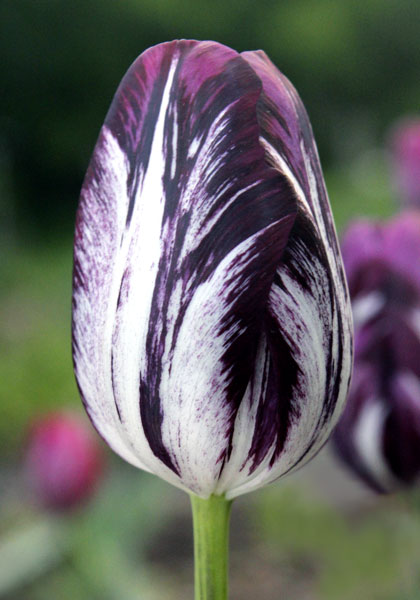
<point>96,553</point>
<point>361,189</point>
<point>35,349</point>
<point>368,555</point>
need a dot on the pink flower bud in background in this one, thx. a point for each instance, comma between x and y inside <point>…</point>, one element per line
<point>63,460</point>
<point>378,436</point>
<point>405,156</point>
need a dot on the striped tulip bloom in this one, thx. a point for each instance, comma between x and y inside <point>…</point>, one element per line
<point>378,435</point>
<point>211,324</point>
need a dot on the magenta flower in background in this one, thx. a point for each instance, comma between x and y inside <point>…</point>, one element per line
<point>63,460</point>
<point>211,323</point>
<point>405,156</point>
<point>379,432</point>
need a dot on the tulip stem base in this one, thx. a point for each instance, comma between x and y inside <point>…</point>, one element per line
<point>211,535</point>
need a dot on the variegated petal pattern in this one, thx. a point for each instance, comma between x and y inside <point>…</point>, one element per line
<point>211,334</point>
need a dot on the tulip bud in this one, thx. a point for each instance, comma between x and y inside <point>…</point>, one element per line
<point>405,156</point>
<point>63,461</point>
<point>211,323</point>
<point>379,433</point>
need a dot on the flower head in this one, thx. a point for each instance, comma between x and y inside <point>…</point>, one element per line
<point>405,156</point>
<point>379,433</point>
<point>63,460</point>
<point>211,324</point>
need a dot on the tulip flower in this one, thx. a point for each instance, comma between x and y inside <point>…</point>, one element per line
<point>405,157</point>
<point>211,323</point>
<point>63,461</point>
<point>378,435</point>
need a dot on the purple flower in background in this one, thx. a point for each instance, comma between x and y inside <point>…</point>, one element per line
<point>405,156</point>
<point>379,433</point>
<point>211,322</point>
<point>63,461</point>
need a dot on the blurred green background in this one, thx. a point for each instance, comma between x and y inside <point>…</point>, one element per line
<point>316,535</point>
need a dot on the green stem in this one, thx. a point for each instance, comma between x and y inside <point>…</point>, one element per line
<point>211,533</point>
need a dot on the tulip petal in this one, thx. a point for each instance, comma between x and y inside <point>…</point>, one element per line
<point>309,327</point>
<point>365,429</point>
<point>402,246</point>
<point>374,252</point>
<point>309,371</point>
<point>181,227</point>
<point>402,429</point>
<point>361,244</point>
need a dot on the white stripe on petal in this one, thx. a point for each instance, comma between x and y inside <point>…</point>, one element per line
<point>368,438</point>
<point>194,381</point>
<point>95,300</point>
<point>367,307</point>
<point>140,252</point>
<point>284,168</point>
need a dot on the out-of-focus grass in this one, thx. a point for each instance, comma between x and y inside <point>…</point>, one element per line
<point>35,353</point>
<point>371,554</point>
<point>361,189</point>
<point>96,552</point>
